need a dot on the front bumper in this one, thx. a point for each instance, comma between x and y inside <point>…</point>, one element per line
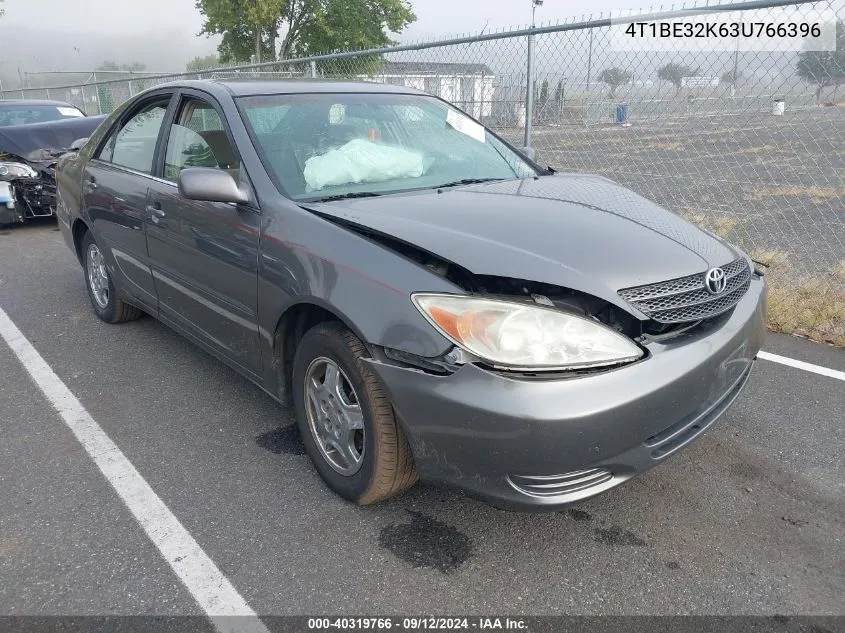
<point>530,444</point>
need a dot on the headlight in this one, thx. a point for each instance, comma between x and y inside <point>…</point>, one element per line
<point>10,171</point>
<point>520,336</point>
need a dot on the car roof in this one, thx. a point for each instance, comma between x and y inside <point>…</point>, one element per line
<point>247,87</point>
<point>28,102</point>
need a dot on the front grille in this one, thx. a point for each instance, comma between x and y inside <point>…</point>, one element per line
<point>687,299</point>
<point>560,485</point>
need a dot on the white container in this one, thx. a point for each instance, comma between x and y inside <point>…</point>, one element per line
<point>521,116</point>
<point>7,195</point>
<point>778,107</point>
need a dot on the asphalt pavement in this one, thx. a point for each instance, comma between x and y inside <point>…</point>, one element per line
<point>750,519</point>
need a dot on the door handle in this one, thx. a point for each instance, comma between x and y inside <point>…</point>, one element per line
<point>156,213</point>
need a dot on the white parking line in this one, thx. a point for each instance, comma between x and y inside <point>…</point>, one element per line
<point>800,364</point>
<point>206,583</point>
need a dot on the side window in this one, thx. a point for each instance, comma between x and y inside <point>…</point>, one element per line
<point>198,139</point>
<point>134,144</point>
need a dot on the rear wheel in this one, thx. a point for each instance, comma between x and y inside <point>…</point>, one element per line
<point>100,287</point>
<point>346,420</point>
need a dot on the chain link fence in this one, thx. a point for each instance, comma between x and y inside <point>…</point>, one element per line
<point>743,146</point>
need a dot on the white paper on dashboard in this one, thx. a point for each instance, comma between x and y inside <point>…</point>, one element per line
<point>69,112</point>
<point>465,125</point>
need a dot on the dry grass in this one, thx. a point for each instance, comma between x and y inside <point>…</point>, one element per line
<point>672,147</point>
<point>816,194</point>
<point>814,309</point>
<point>721,226</point>
<point>769,149</point>
<point>771,258</point>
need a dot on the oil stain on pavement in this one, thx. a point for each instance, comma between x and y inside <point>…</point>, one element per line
<point>616,535</point>
<point>283,440</point>
<point>579,515</point>
<point>427,542</point>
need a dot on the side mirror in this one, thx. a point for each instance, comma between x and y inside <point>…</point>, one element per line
<point>528,152</point>
<point>78,144</point>
<point>210,185</point>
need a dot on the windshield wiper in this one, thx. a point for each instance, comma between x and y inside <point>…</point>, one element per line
<point>347,196</point>
<point>468,181</point>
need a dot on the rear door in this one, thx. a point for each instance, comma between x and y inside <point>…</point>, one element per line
<point>115,191</point>
<point>204,255</point>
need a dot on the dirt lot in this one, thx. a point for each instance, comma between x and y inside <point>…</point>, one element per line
<point>768,182</point>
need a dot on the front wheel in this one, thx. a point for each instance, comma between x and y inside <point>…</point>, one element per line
<point>345,418</point>
<point>100,287</point>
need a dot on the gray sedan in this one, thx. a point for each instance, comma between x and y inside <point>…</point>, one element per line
<point>433,303</point>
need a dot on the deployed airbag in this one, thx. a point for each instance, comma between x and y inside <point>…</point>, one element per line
<point>359,161</point>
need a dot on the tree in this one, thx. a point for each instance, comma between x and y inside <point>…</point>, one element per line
<point>251,27</point>
<point>675,73</point>
<point>248,27</point>
<point>203,63</point>
<point>614,77</point>
<point>731,79</point>
<point>824,68</point>
<point>544,91</point>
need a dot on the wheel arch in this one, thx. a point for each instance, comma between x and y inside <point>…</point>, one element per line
<point>78,231</point>
<point>291,326</point>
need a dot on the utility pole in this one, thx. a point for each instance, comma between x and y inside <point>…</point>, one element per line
<point>529,77</point>
<point>736,68</point>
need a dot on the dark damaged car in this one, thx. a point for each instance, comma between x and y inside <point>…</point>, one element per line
<point>433,303</point>
<point>33,135</point>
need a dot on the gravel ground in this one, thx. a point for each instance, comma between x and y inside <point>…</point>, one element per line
<point>779,180</point>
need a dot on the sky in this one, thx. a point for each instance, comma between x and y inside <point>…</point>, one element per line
<point>50,35</point>
<point>435,18</point>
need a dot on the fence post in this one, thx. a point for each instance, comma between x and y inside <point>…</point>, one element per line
<point>529,91</point>
<point>48,94</point>
<point>313,69</point>
<point>84,100</point>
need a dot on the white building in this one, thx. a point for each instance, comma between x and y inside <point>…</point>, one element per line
<point>468,86</point>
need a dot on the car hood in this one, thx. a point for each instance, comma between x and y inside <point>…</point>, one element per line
<point>581,232</point>
<point>36,140</point>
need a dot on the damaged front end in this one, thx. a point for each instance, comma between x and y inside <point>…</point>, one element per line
<point>32,185</point>
<point>513,291</point>
<point>28,158</point>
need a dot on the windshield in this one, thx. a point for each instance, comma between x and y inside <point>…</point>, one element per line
<point>23,114</point>
<point>334,145</point>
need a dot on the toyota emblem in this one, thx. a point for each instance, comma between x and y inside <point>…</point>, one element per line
<point>715,280</point>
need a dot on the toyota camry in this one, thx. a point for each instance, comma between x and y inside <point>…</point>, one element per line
<point>434,303</point>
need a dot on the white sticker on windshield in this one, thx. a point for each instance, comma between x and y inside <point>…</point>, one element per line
<point>69,111</point>
<point>465,125</point>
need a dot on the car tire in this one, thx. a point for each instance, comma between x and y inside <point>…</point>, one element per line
<point>386,468</point>
<point>100,286</point>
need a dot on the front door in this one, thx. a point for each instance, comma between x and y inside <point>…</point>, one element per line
<point>204,254</point>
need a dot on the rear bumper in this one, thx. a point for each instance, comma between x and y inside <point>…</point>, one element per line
<point>544,444</point>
